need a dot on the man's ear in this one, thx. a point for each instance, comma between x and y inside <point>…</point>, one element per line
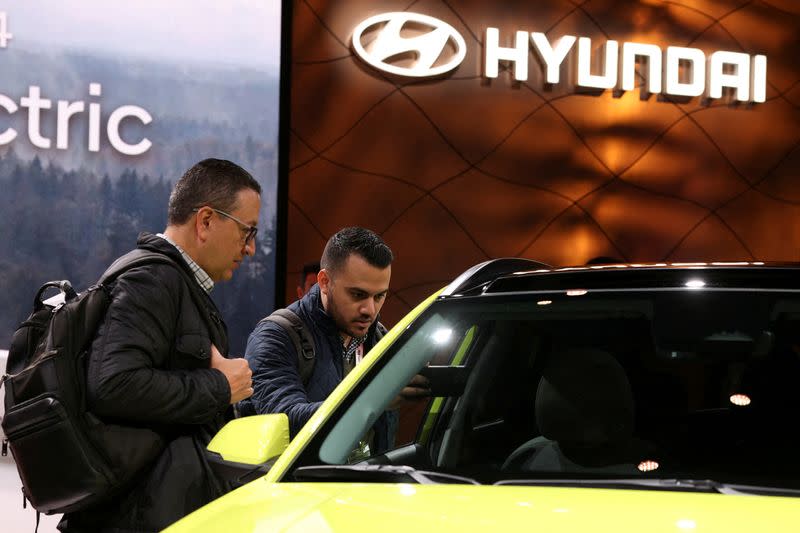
<point>324,281</point>
<point>202,223</point>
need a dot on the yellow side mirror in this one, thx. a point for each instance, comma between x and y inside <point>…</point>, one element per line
<point>252,440</point>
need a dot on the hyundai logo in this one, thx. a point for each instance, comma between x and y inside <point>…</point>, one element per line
<point>432,46</point>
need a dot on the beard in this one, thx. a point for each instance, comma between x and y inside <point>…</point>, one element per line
<point>341,321</point>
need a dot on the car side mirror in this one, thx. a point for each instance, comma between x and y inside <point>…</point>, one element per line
<point>246,448</point>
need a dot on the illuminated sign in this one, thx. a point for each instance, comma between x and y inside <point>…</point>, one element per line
<point>414,45</point>
<point>430,46</point>
<point>66,111</point>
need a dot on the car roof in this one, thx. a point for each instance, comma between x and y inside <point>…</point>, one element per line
<point>515,275</point>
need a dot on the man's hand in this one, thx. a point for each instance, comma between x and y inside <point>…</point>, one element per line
<point>237,372</point>
<point>417,388</point>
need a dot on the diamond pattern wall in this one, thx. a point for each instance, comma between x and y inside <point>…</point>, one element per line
<point>456,170</point>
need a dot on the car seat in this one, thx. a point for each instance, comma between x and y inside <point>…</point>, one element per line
<point>584,409</point>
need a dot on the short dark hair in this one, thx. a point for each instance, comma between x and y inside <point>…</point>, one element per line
<point>308,268</point>
<point>355,240</point>
<point>212,182</point>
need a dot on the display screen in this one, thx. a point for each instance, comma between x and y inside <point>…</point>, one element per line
<point>103,106</point>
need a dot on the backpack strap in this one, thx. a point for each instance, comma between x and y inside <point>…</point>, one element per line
<point>301,337</point>
<point>139,257</point>
<point>62,285</point>
<point>136,258</point>
<point>130,260</point>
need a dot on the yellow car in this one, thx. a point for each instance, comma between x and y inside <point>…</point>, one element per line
<point>604,398</point>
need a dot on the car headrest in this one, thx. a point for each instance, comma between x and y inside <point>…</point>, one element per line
<point>584,399</point>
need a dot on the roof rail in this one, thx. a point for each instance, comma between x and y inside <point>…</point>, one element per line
<point>487,271</point>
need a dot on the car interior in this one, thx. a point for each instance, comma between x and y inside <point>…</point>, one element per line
<point>628,385</point>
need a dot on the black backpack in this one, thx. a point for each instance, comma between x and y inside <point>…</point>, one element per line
<point>301,338</point>
<point>62,467</point>
<point>303,344</point>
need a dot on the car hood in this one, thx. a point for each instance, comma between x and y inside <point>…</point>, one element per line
<point>353,507</point>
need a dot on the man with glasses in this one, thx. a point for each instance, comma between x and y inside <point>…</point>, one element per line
<point>159,376</point>
<point>248,232</point>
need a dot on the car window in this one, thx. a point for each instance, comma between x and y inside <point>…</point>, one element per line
<point>658,383</point>
<point>417,351</point>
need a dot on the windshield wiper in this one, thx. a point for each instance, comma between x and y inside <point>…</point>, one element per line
<point>376,474</point>
<point>695,485</point>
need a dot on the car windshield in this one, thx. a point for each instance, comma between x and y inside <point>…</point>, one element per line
<point>657,383</point>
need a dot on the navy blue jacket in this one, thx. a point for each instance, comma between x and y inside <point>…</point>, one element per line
<point>273,358</point>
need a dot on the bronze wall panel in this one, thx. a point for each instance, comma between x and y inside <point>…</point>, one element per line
<point>460,169</point>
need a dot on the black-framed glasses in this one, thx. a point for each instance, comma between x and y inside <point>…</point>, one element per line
<point>251,231</point>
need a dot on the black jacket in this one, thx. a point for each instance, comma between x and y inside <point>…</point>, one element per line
<point>273,358</point>
<point>149,383</point>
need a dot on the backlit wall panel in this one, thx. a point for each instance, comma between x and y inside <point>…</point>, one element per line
<point>461,168</point>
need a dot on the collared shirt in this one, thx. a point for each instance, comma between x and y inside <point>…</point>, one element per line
<point>349,357</point>
<point>203,279</point>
